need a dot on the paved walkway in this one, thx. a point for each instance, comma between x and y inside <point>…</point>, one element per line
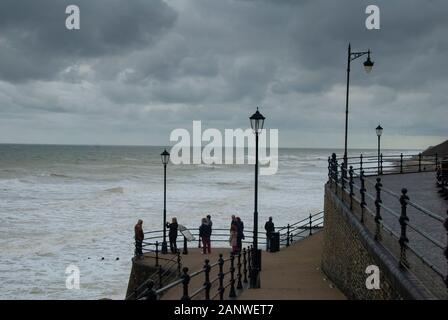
<point>294,274</point>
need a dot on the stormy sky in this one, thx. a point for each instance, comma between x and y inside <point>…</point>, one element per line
<point>138,69</point>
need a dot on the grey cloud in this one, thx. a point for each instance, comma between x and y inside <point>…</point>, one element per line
<point>161,64</point>
<point>36,44</point>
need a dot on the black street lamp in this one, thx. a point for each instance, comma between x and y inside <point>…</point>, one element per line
<point>256,122</point>
<point>165,159</point>
<point>368,65</point>
<point>379,132</point>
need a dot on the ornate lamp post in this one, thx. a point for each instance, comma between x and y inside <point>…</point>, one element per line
<point>379,132</point>
<point>165,159</point>
<point>368,65</point>
<point>256,122</point>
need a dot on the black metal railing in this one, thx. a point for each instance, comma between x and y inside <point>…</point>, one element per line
<point>220,236</point>
<point>392,163</point>
<point>230,274</point>
<point>415,247</point>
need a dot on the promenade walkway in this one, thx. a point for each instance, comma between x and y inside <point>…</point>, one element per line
<point>292,273</point>
<point>422,190</point>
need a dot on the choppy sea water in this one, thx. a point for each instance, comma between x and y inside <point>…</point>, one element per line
<point>63,205</point>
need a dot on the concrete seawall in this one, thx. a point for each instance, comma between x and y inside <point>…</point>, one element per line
<point>350,247</point>
<point>140,272</point>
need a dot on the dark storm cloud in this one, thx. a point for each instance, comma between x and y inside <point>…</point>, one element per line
<point>35,43</point>
<point>152,66</point>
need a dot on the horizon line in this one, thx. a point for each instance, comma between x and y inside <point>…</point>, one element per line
<point>165,146</point>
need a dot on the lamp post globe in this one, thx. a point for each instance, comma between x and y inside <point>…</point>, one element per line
<point>379,132</point>
<point>257,122</point>
<point>165,156</point>
<point>368,64</point>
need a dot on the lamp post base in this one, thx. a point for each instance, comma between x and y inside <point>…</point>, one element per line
<point>255,270</point>
<point>254,279</point>
<point>164,247</point>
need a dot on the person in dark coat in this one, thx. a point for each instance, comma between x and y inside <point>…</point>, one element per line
<point>139,236</point>
<point>240,230</point>
<point>205,231</point>
<point>270,229</point>
<point>209,221</point>
<point>172,234</point>
<point>233,222</point>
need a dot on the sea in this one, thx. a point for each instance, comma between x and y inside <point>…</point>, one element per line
<point>63,206</point>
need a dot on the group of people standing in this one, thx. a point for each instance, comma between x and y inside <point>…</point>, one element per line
<point>205,233</point>
<point>236,234</point>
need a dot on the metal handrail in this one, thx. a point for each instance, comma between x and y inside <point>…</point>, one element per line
<point>193,275</point>
<point>344,179</point>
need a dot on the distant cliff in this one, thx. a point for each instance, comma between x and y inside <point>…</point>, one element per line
<point>441,149</point>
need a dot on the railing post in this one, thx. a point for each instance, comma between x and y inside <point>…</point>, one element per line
<point>239,285</point>
<point>249,260</point>
<point>420,162</point>
<point>199,242</point>
<point>403,223</point>
<point>363,195</point>
<point>439,177</point>
<point>360,162</point>
<point>287,235</point>
<point>160,277</point>
<point>185,246</point>
<point>232,293</point>
<point>157,253</point>
<point>245,265</point>
<point>329,171</point>
<point>381,163</point>
<point>336,172</point>
<point>378,202</point>
<point>185,282</point>
<point>445,224</point>
<point>291,237</point>
<point>437,160</point>
<point>150,292</point>
<point>311,225</point>
<point>179,264</point>
<point>221,277</point>
<point>333,166</point>
<point>343,176</point>
<point>401,163</point>
<point>350,172</point>
<point>207,283</point>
